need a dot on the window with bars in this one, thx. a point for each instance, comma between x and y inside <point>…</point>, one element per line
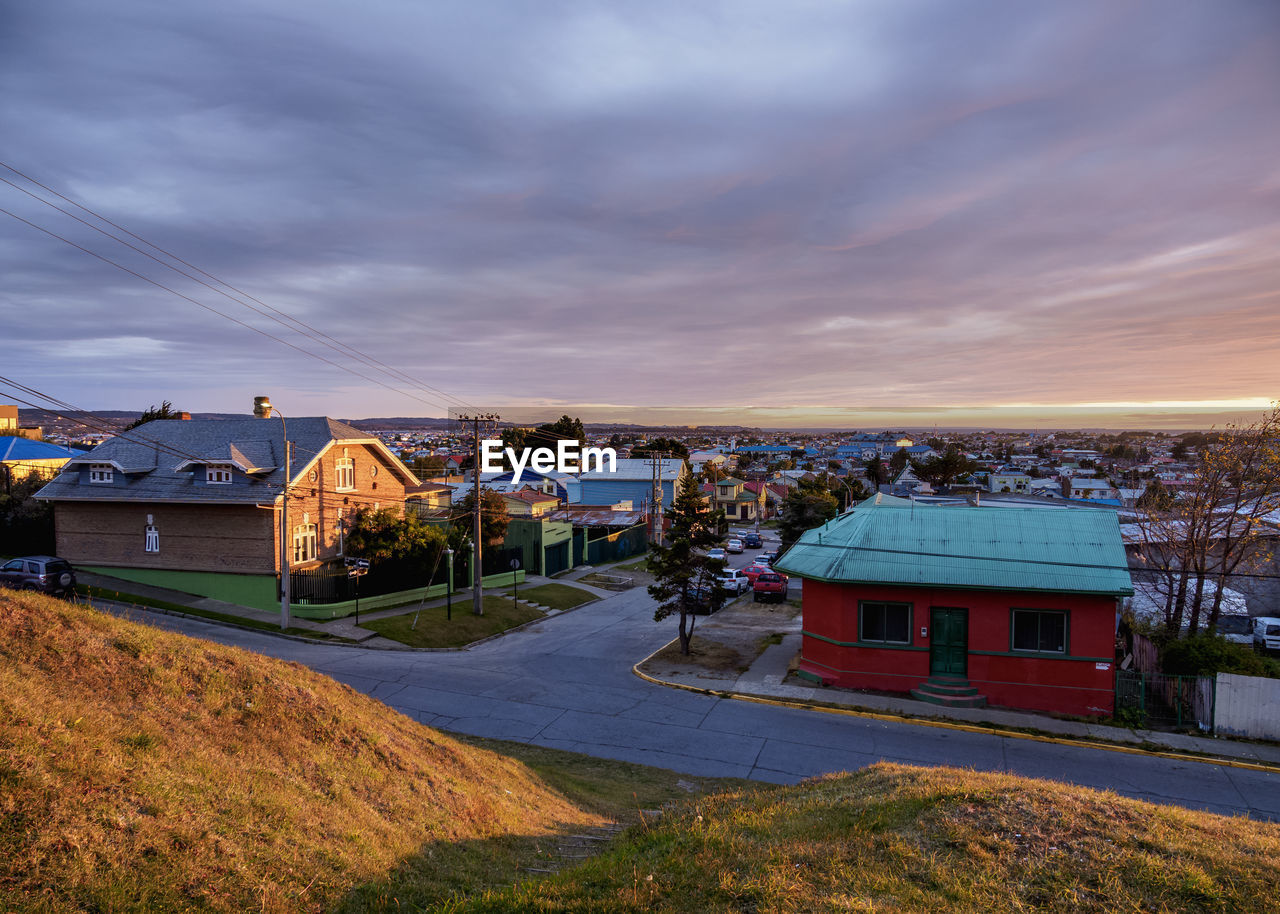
<point>218,473</point>
<point>152,541</point>
<point>101,472</point>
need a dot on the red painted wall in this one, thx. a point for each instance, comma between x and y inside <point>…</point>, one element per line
<point>1068,685</point>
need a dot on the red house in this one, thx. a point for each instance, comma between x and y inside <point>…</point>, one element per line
<point>964,605</point>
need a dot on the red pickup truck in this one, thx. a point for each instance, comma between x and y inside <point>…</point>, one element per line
<point>770,586</point>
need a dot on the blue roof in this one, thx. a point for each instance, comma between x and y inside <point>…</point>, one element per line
<point>14,448</point>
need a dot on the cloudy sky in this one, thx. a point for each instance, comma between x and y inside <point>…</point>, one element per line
<point>817,208</point>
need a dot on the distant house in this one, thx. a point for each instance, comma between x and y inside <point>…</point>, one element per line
<point>196,505</point>
<point>564,486</point>
<point>964,605</point>
<point>1009,482</point>
<point>1091,489</point>
<point>23,457</point>
<point>700,459</point>
<point>774,494</point>
<point>733,498</point>
<point>529,502</point>
<point>429,498</point>
<point>633,480</point>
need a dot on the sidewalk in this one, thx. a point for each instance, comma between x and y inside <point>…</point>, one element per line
<point>269,621</point>
<point>766,680</point>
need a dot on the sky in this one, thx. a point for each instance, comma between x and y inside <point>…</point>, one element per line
<point>911,211</point>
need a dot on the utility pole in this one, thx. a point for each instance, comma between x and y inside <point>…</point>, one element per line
<point>477,589</point>
<point>655,500</point>
<point>285,621</point>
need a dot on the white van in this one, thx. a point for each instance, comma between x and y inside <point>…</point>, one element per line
<point>1266,633</point>
<point>1234,622</point>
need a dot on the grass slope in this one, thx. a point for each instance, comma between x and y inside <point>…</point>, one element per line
<point>144,770</point>
<point>898,838</point>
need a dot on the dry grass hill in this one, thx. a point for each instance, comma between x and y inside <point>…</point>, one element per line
<point>145,771</point>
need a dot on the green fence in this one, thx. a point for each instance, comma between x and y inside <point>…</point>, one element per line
<point>1165,701</point>
<point>617,546</point>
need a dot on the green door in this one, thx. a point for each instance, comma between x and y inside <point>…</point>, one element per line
<point>949,644</point>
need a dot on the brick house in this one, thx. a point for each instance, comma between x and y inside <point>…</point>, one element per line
<point>961,605</point>
<point>195,505</point>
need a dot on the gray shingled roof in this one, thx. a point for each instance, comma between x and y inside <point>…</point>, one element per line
<point>155,461</point>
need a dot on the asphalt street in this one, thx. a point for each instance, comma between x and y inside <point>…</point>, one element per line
<point>567,683</point>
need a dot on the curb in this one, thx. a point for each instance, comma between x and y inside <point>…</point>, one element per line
<point>946,724</point>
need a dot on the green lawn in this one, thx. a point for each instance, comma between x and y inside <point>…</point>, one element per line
<point>555,596</point>
<point>434,630</point>
<point>641,565</point>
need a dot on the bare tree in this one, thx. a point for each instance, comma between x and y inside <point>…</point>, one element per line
<point>1196,541</point>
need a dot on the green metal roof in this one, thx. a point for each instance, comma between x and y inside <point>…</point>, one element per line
<point>731,481</point>
<point>893,541</point>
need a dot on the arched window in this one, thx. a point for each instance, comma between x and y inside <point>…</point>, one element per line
<point>304,541</point>
<point>346,472</point>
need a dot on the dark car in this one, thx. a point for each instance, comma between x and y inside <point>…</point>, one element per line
<point>770,586</point>
<point>45,573</point>
<point>700,600</point>
<point>752,541</point>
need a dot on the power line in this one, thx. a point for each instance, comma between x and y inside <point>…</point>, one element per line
<point>221,314</point>
<point>301,326</point>
<point>1011,559</point>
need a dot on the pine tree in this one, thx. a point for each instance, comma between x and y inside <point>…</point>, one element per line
<point>685,577</point>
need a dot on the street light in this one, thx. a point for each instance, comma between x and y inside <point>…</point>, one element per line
<point>448,587</point>
<point>849,489</point>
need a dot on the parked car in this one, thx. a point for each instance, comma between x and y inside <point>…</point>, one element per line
<point>1237,628</point>
<point>1266,633</point>
<point>734,580</point>
<point>752,541</point>
<point>754,570</point>
<point>766,558</point>
<point>46,573</point>
<point>717,553</point>
<point>701,598</point>
<point>733,546</point>
<point>771,586</point>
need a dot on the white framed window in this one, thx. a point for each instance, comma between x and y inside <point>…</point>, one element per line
<point>152,542</point>
<point>304,541</point>
<point>217,473</point>
<point>345,469</point>
<point>101,472</point>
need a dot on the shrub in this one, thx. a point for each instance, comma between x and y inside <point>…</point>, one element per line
<point>1205,654</point>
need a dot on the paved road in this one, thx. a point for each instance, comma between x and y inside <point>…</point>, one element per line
<point>567,683</point>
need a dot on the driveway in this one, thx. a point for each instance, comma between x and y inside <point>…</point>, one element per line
<point>567,683</point>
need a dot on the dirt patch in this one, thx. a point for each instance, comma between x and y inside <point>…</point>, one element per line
<point>704,654</point>
<point>727,643</point>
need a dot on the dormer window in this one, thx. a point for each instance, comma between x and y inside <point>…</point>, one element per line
<point>217,473</point>
<point>101,472</point>
<point>345,469</point>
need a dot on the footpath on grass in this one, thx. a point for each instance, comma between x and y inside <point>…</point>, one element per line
<point>767,680</point>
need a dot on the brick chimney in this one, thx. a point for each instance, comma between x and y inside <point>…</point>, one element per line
<point>262,407</point>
